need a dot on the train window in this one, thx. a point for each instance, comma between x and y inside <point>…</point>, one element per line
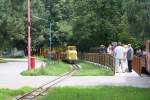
<point>71,48</point>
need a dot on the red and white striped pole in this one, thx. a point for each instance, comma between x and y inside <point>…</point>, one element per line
<point>29,38</point>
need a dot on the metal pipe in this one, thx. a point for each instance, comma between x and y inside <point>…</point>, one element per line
<point>29,38</point>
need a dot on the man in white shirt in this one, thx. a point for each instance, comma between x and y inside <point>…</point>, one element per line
<point>119,55</point>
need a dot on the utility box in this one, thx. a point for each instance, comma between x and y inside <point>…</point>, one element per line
<point>32,63</point>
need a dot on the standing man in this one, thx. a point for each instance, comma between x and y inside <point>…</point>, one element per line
<point>119,58</point>
<point>148,61</point>
<point>130,54</point>
<point>148,55</point>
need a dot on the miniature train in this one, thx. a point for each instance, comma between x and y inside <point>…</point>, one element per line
<point>68,54</point>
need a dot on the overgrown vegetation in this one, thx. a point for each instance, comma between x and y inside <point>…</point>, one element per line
<point>98,93</point>
<point>7,94</point>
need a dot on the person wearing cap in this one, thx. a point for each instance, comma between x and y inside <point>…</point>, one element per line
<point>102,49</point>
<point>130,54</point>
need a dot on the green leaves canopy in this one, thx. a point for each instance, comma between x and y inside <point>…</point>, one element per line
<point>85,23</point>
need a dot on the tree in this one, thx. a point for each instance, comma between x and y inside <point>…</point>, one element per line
<point>138,15</point>
<point>9,23</point>
<point>139,18</point>
<point>58,12</point>
<point>78,22</point>
<point>99,21</point>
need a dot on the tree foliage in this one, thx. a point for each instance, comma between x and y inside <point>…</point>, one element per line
<point>85,23</point>
<point>139,18</point>
<point>98,21</point>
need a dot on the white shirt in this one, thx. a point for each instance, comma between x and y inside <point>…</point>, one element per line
<point>119,52</point>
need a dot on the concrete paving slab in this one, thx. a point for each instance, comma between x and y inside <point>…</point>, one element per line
<point>143,82</point>
<point>132,74</point>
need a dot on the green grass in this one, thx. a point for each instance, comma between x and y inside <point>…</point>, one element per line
<point>50,69</point>
<point>88,69</point>
<point>7,94</point>
<point>98,93</point>
<point>42,58</point>
<point>21,57</point>
<point>2,61</point>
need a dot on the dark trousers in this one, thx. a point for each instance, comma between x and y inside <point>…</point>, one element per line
<point>130,65</point>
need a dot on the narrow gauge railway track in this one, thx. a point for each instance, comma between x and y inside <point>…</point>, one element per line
<point>42,90</point>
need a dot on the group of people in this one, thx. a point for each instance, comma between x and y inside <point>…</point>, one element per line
<point>123,55</point>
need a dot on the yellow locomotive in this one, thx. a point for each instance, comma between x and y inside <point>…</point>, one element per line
<point>71,54</point>
<point>68,54</point>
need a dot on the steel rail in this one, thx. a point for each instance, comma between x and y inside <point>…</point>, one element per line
<point>44,88</point>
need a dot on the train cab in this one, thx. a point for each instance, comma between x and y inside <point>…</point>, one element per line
<point>71,54</point>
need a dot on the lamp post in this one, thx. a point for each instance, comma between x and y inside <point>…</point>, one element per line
<point>50,42</point>
<point>50,36</point>
<point>29,38</point>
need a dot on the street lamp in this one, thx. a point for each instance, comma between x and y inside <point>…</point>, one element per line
<point>50,41</point>
<point>50,36</point>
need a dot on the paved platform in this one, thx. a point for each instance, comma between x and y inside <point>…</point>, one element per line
<point>127,74</point>
<point>10,78</point>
